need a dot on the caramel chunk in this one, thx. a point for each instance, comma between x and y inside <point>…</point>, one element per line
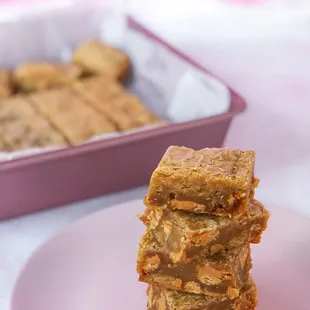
<point>124,110</point>
<point>95,57</point>
<point>6,84</point>
<point>184,235</point>
<point>204,275</point>
<point>214,181</point>
<point>70,115</point>
<point>163,299</point>
<point>21,126</point>
<point>40,75</point>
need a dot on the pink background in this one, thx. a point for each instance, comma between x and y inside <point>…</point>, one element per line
<point>266,61</point>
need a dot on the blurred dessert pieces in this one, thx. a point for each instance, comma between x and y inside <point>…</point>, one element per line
<point>22,127</point>
<point>6,84</point>
<point>159,298</point>
<point>70,115</point>
<point>45,104</point>
<point>38,76</point>
<point>123,109</point>
<point>201,217</point>
<point>95,57</point>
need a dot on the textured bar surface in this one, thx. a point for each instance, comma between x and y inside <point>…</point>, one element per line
<point>184,235</point>
<point>71,115</point>
<point>204,275</point>
<point>43,75</point>
<point>95,57</point>
<point>124,110</point>
<point>21,126</point>
<point>218,181</point>
<point>161,299</point>
<point>6,84</point>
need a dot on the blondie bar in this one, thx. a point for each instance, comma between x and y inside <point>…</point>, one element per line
<point>124,110</point>
<point>216,181</point>
<point>6,84</point>
<point>94,57</point>
<point>39,76</point>
<point>184,235</point>
<point>70,115</point>
<point>162,299</point>
<point>21,126</point>
<point>204,275</point>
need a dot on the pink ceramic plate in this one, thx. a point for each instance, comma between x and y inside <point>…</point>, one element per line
<point>91,264</point>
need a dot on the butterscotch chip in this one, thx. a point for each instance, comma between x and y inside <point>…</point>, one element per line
<point>192,287</point>
<point>214,181</point>
<point>151,263</point>
<point>21,126</point>
<point>42,75</point>
<point>70,115</point>
<point>163,299</point>
<point>95,57</point>
<point>184,235</point>
<point>212,275</point>
<point>6,84</point>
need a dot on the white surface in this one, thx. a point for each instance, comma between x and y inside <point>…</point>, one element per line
<point>273,76</point>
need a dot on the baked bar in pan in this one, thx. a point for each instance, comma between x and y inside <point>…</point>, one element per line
<point>6,84</point>
<point>21,126</point>
<point>95,57</point>
<point>39,76</point>
<point>71,115</point>
<point>123,109</point>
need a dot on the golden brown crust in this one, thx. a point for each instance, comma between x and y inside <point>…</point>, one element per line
<point>70,115</point>
<point>42,75</point>
<point>216,181</point>
<point>204,275</point>
<point>22,127</point>
<point>108,97</point>
<point>6,84</point>
<point>95,57</point>
<point>185,235</point>
<point>162,299</point>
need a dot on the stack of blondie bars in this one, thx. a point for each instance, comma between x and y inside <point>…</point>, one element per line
<point>201,217</point>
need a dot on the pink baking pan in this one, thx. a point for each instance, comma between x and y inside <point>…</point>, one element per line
<point>55,178</point>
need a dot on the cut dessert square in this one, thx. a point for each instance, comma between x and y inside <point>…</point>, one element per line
<point>162,299</point>
<point>204,275</point>
<point>185,235</point>
<point>217,181</point>
<point>6,84</point>
<point>123,109</point>
<point>95,57</point>
<point>43,75</point>
<point>70,115</point>
<point>22,126</point>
